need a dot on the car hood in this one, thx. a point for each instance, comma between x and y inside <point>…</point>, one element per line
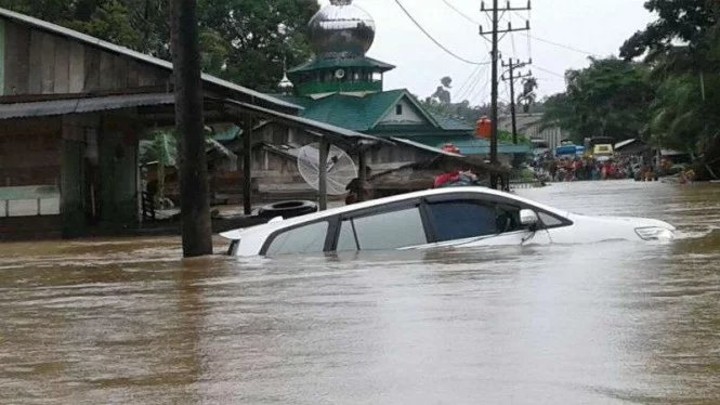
<point>623,221</point>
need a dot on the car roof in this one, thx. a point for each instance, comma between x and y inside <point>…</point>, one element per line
<point>277,225</point>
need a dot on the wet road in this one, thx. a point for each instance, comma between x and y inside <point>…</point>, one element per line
<point>127,322</point>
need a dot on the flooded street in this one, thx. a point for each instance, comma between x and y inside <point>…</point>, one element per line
<point>126,321</point>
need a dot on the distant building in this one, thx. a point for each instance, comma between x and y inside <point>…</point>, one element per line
<point>530,125</point>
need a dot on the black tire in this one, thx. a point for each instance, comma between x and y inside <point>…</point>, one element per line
<point>287,209</point>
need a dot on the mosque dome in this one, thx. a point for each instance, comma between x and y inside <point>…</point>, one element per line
<point>341,30</point>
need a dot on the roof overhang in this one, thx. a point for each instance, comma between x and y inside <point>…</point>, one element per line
<point>83,105</point>
<point>334,134</point>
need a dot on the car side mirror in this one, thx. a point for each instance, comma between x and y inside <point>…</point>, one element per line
<point>529,218</point>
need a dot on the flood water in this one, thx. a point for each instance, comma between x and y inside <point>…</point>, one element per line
<point>127,321</point>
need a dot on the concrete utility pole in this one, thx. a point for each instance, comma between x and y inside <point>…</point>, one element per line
<point>494,32</point>
<point>195,204</point>
<point>512,65</point>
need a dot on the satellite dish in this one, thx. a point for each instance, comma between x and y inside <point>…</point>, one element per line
<point>341,169</point>
<point>340,73</point>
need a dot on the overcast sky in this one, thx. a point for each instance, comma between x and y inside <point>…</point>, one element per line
<point>598,27</point>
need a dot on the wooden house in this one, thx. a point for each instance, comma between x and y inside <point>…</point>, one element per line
<point>72,111</point>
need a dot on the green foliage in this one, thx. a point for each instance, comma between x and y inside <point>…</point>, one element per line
<point>683,21</point>
<point>683,50</point>
<point>245,41</point>
<point>610,98</point>
<point>259,36</point>
<point>506,137</point>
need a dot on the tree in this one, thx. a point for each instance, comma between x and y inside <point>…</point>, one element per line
<point>685,21</point>
<point>682,48</point>
<point>244,41</point>
<point>610,98</point>
<point>442,93</point>
<point>528,96</point>
<point>259,36</point>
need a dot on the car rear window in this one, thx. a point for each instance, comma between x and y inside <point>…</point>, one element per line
<point>305,239</point>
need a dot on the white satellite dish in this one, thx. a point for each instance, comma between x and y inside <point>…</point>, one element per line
<point>341,169</point>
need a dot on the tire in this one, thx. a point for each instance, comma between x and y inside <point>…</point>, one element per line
<point>287,209</point>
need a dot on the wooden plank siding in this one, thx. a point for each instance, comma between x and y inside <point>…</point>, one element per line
<point>17,59</point>
<point>36,62</point>
<point>2,57</point>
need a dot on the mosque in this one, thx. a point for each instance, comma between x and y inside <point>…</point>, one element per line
<point>342,86</point>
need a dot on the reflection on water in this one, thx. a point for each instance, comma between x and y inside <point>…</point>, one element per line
<point>126,321</point>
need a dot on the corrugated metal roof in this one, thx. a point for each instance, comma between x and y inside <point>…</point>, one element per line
<point>304,122</point>
<point>425,147</point>
<point>363,62</point>
<point>56,29</point>
<point>82,105</point>
<point>625,143</point>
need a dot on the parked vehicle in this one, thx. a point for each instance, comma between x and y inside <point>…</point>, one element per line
<point>603,152</point>
<point>447,217</point>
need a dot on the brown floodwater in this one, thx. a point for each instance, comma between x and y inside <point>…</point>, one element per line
<point>128,321</point>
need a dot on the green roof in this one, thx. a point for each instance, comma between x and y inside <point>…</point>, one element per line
<point>353,112</point>
<point>451,124</point>
<point>363,62</point>
<point>470,145</point>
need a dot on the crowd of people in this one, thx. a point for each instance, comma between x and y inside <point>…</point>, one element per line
<point>582,168</point>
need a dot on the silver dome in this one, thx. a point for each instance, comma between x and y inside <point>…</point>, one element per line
<point>341,29</point>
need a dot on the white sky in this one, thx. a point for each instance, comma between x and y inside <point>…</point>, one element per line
<point>596,26</point>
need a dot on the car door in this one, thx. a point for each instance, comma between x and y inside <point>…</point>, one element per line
<point>470,220</point>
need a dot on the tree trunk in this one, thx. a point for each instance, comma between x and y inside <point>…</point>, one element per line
<point>195,204</point>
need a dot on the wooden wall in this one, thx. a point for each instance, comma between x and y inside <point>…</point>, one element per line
<point>37,62</point>
<point>30,152</point>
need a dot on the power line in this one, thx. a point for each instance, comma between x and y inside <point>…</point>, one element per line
<point>568,47</point>
<point>435,41</point>
<point>548,71</point>
<point>547,41</point>
<point>463,15</point>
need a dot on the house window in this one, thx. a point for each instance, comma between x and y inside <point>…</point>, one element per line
<point>398,109</point>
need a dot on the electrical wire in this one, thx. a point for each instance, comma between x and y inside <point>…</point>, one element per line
<point>463,15</point>
<point>548,71</point>
<point>471,89</point>
<point>530,37</point>
<point>435,41</point>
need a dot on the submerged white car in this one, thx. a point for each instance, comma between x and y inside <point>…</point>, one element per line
<point>446,217</point>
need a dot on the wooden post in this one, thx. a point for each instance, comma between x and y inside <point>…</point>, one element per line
<point>322,180</point>
<point>362,175</point>
<point>195,202</point>
<point>247,165</point>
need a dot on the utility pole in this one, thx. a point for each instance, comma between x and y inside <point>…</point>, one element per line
<point>512,65</point>
<point>494,32</point>
<point>194,204</point>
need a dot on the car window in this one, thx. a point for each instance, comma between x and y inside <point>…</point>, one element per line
<point>462,219</point>
<point>306,239</point>
<point>390,230</point>
<point>469,219</point>
<point>549,220</point>
<point>508,219</point>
